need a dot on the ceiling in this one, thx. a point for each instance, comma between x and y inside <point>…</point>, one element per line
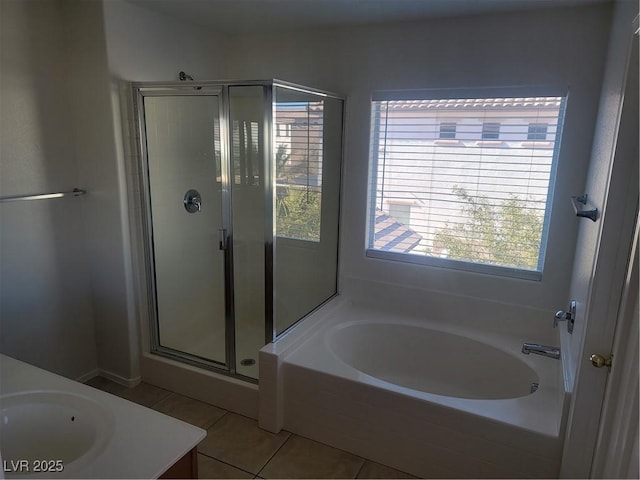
<point>252,16</point>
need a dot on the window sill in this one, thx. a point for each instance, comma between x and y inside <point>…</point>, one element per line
<point>537,144</point>
<point>288,242</point>
<point>489,143</point>
<point>480,268</point>
<point>446,142</point>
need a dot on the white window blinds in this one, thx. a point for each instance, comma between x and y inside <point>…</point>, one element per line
<point>476,175</point>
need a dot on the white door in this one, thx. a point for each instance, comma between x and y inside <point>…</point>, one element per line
<point>617,453</point>
<point>603,246</point>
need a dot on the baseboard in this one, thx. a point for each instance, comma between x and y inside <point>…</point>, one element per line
<point>127,382</point>
<point>88,376</point>
<point>120,380</point>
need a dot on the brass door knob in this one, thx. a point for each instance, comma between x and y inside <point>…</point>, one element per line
<point>599,361</point>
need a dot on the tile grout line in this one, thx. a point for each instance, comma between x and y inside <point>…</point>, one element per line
<point>175,394</point>
<point>162,399</point>
<point>215,421</point>
<point>228,464</point>
<point>364,460</point>
<point>275,453</point>
<point>172,393</point>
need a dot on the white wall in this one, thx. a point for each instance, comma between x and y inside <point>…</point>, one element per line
<point>141,45</point>
<point>45,283</point>
<point>602,194</point>
<point>561,48</point>
<point>105,221</point>
<point>67,288</point>
<point>144,45</point>
<point>603,248</point>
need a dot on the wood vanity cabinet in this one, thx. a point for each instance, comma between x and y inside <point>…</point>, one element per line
<point>186,467</point>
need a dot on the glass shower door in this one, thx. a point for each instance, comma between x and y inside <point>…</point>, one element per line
<point>186,203</point>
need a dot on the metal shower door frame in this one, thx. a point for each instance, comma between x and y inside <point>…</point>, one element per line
<point>151,89</point>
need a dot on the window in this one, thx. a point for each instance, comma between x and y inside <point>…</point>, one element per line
<point>283,130</point>
<point>401,212</point>
<point>447,131</point>
<point>490,131</point>
<point>537,131</point>
<point>473,206</point>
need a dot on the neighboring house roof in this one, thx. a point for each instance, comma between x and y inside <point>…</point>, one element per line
<point>392,235</point>
<point>466,103</point>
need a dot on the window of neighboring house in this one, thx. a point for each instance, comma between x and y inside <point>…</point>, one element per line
<point>283,129</point>
<point>537,131</point>
<point>401,212</point>
<point>490,131</point>
<point>447,131</point>
<point>479,208</point>
<point>299,169</point>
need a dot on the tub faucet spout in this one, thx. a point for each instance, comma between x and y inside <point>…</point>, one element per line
<point>544,350</point>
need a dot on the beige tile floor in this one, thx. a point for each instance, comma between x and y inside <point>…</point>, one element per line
<point>235,447</point>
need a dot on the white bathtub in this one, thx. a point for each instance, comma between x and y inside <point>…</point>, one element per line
<point>429,398</point>
<point>430,361</point>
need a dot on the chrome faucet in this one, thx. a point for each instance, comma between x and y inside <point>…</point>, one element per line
<point>544,350</point>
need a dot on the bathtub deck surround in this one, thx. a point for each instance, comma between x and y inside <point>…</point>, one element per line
<point>422,416</point>
<point>120,439</point>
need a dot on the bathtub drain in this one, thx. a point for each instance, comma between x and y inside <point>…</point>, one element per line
<point>534,387</point>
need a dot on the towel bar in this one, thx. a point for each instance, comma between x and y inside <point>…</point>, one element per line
<point>76,192</point>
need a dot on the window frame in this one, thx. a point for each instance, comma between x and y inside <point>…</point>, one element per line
<point>453,94</point>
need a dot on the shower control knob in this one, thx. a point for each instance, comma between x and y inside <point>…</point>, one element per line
<point>192,201</point>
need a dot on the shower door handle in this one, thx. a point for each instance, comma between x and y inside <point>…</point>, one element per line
<point>223,239</point>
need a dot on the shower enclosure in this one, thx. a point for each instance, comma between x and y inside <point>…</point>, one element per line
<point>240,190</point>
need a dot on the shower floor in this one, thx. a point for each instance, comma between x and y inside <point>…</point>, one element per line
<point>211,345</point>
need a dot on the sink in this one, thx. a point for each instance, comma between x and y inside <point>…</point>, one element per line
<point>50,430</point>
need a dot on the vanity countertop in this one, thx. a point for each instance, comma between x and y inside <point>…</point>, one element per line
<point>141,443</point>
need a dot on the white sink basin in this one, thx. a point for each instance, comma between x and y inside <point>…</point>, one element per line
<point>63,429</point>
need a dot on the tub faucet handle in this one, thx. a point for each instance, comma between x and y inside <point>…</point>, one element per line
<point>560,316</point>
